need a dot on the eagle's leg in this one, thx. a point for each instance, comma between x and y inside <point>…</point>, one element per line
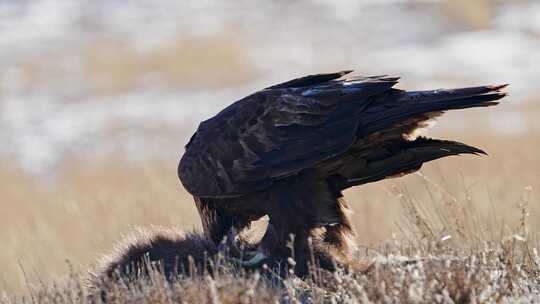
<point>274,250</point>
<point>331,244</point>
<point>308,208</point>
<point>339,240</point>
<point>302,253</point>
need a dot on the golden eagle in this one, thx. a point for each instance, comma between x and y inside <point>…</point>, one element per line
<point>288,151</point>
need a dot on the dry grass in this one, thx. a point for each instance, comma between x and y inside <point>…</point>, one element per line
<point>472,220</point>
<point>482,278</point>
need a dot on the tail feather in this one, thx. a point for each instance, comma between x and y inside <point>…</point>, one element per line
<point>407,158</point>
<point>446,95</point>
<point>421,102</point>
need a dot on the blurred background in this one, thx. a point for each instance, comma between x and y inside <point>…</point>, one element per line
<point>98,98</point>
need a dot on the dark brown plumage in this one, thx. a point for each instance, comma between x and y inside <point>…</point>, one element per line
<point>289,150</point>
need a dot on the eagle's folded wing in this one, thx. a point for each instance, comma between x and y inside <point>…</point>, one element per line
<point>275,133</point>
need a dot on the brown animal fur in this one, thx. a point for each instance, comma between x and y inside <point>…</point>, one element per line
<point>170,251</point>
<point>175,252</point>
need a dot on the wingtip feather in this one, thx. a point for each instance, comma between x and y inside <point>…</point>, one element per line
<point>345,72</point>
<point>455,147</point>
<point>498,87</point>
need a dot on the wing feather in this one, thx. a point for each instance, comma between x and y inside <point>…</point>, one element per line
<point>275,133</point>
<point>300,124</point>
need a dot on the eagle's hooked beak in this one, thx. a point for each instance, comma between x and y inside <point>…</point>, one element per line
<point>254,261</point>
